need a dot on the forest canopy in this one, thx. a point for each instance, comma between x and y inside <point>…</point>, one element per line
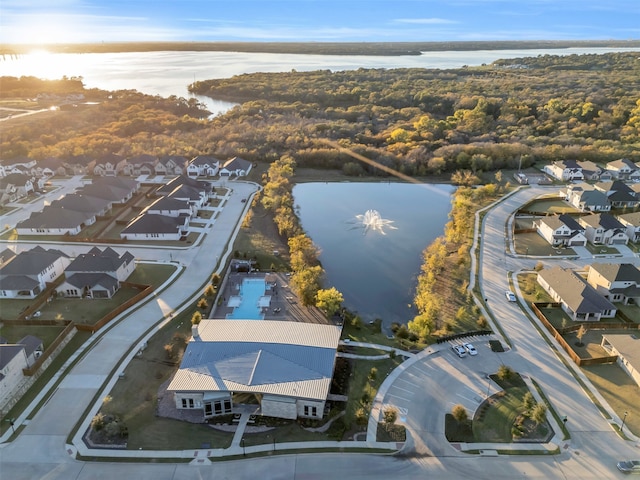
<point>420,122</point>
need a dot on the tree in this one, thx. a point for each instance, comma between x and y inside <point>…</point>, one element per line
<point>505,372</point>
<point>539,413</point>
<point>373,373</point>
<point>329,300</point>
<point>459,413</point>
<point>306,284</point>
<point>579,334</point>
<point>390,414</point>
<point>203,304</point>
<point>215,279</point>
<point>196,318</point>
<point>528,402</point>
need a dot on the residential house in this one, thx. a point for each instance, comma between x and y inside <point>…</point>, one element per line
<point>15,186</point>
<point>14,358</point>
<point>99,207</point>
<point>604,229</point>
<point>561,230</point>
<point>172,207</point>
<point>631,221</point>
<point>236,166</point>
<point>139,165</point>
<point>96,274</point>
<point>117,190</point>
<point>590,171</point>
<point>49,167</point>
<point>617,282</point>
<point>106,166</point>
<point>286,366</point>
<point>621,169</point>
<point>156,227</point>
<point>27,274</point>
<point>587,199</point>
<point>627,348</point>
<point>6,255</point>
<point>79,165</point>
<point>619,194</point>
<point>55,221</point>
<point>566,171</point>
<point>203,166</point>
<point>171,165</point>
<point>577,298</point>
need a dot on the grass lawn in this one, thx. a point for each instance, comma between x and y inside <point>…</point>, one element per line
<point>134,397</point>
<point>601,249</point>
<point>151,274</point>
<point>549,205</point>
<point>261,240</point>
<point>46,333</point>
<point>531,289</point>
<point>619,390</point>
<point>496,423</point>
<point>533,244</point>
<point>590,347</point>
<point>75,343</point>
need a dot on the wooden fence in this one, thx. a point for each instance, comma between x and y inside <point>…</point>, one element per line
<point>50,350</point>
<point>145,290</point>
<point>558,335</point>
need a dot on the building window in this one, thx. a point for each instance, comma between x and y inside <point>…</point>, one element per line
<point>184,403</point>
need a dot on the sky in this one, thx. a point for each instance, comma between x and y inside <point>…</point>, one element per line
<point>81,21</point>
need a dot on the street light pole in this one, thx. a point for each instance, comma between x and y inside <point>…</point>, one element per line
<point>244,453</point>
<point>624,419</point>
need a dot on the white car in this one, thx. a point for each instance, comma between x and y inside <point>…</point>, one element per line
<point>459,350</point>
<point>471,350</point>
<point>510,296</point>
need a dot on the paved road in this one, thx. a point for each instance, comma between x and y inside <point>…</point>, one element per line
<point>41,452</point>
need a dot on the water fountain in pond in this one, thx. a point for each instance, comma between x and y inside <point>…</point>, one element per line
<point>372,220</point>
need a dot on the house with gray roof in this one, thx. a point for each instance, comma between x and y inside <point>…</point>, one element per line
<point>604,229</point>
<point>171,165</point>
<point>620,195</point>
<point>631,221</point>
<point>14,357</point>
<point>287,366</point>
<point>143,164</point>
<point>55,221</point>
<point>561,230</point>
<point>149,226</point>
<point>99,207</point>
<point>96,274</point>
<point>587,199</point>
<point>577,298</point>
<point>621,169</point>
<point>203,166</point>
<point>617,282</point>
<point>566,171</point>
<point>27,274</point>
<point>627,348</point>
<point>172,207</point>
<point>15,186</point>
<point>236,166</point>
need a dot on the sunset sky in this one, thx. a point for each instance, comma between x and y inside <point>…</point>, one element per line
<point>67,21</point>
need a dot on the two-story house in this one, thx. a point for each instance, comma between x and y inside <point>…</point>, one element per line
<point>561,230</point>
<point>621,169</point>
<point>619,194</point>
<point>631,221</point>
<point>617,282</point>
<point>203,166</point>
<point>586,198</point>
<point>604,229</point>
<point>567,170</point>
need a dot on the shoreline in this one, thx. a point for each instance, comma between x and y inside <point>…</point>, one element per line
<point>315,48</point>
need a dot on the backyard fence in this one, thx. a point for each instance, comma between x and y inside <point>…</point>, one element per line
<point>558,335</point>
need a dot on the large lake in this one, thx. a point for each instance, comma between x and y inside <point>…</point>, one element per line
<point>169,73</point>
<point>375,268</point>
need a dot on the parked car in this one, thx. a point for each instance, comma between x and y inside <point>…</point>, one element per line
<point>510,296</point>
<point>629,466</point>
<point>471,350</point>
<point>459,350</point>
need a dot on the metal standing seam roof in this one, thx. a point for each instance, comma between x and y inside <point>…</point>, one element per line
<point>281,358</point>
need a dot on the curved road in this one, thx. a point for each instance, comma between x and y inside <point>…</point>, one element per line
<point>425,390</point>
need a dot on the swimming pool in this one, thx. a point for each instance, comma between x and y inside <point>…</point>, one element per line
<point>251,297</point>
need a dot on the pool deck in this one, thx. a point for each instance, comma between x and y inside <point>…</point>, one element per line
<point>284,305</point>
